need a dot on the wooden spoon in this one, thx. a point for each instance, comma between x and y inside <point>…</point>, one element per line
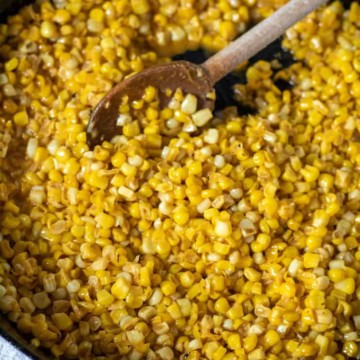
<point>191,78</point>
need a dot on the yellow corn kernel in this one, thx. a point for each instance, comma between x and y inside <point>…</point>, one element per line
<point>221,306</point>
<point>249,343</point>
<point>336,275</point>
<point>347,286</point>
<point>132,129</point>
<point>21,118</point>
<point>94,179</point>
<point>257,354</point>
<point>62,16</point>
<point>186,279</point>
<point>350,348</point>
<point>168,288</point>
<point>291,346</point>
<point>313,242</point>
<point>174,311</point>
<point>306,350</point>
<point>222,228</point>
<point>234,341</point>
<point>104,220</point>
<point>128,170</point>
<point>288,288</point>
<point>145,279</point>
<point>252,275</point>
<point>62,321</point>
<point>221,248</point>
<point>140,7</point>
<point>269,206</point>
<point>311,260</point>
<point>271,338</point>
<point>135,297</point>
<point>310,173</point>
<point>227,30</point>
<point>105,298</point>
<point>120,289</point>
<point>48,29</point>
<point>149,94</point>
<point>97,14</point>
<point>181,217</point>
<point>261,243</point>
<point>153,141</point>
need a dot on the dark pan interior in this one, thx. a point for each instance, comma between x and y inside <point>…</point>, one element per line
<point>224,99</point>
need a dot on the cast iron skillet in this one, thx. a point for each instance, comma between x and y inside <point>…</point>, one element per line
<point>224,99</point>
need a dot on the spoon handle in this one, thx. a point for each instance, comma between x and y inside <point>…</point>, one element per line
<point>258,37</point>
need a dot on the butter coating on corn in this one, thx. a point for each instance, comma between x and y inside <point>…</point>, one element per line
<point>191,235</point>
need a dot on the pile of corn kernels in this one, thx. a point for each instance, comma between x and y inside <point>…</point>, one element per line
<point>235,238</point>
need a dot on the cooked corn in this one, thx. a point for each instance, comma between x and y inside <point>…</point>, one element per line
<point>192,234</point>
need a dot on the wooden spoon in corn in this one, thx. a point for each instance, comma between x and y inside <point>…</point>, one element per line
<point>191,78</point>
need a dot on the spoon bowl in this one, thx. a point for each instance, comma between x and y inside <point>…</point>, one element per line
<point>191,78</point>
